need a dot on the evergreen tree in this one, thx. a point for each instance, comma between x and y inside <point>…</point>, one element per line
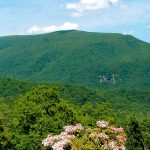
<point>135,138</point>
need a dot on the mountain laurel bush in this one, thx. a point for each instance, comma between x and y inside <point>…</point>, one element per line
<point>77,137</point>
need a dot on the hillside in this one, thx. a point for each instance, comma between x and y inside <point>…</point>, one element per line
<point>77,57</point>
<point>136,101</point>
<point>10,88</point>
<point>42,110</point>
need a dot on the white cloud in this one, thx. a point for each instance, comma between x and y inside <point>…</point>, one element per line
<point>65,26</point>
<point>34,29</point>
<point>89,5</point>
<point>128,32</point>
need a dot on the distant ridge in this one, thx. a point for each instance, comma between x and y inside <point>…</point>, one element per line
<point>77,57</point>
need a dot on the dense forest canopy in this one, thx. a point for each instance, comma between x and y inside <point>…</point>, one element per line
<point>77,57</point>
<point>26,118</point>
<point>52,80</point>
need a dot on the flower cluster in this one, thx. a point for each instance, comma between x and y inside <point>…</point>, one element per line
<point>61,145</point>
<point>62,141</point>
<point>104,136</point>
<point>117,129</point>
<point>121,139</point>
<point>102,124</point>
<point>73,129</point>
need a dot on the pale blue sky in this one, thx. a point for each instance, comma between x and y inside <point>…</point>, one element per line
<point>39,16</point>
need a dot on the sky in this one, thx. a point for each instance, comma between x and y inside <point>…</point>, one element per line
<point>20,17</point>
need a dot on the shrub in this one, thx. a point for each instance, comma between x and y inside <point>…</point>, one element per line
<point>103,137</point>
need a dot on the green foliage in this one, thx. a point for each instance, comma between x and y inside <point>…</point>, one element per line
<point>5,134</point>
<point>122,101</point>
<point>36,114</point>
<point>79,94</point>
<point>145,129</point>
<point>76,57</point>
<point>135,138</point>
<point>27,120</point>
<point>10,88</point>
<point>89,113</point>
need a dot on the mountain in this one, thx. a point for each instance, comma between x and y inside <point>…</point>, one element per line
<point>77,57</point>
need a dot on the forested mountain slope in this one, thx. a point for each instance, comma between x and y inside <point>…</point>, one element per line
<point>77,57</point>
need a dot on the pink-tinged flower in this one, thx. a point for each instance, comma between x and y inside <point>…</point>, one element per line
<point>68,128</point>
<point>121,139</point>
<point>72,129</point>
<point>60,145</point>
<point>64,133</point>
<point>78,127</point>
<point>67,138</point>
<point>103,135</point>
<point>118,129</point>
<point>48,141</point>
<point>102,124</point>
<point>51,140</point>
<point>113,145</point>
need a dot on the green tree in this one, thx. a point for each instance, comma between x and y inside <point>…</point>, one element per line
<point>36,114</point>
<point>5,134</point>
<point>145,126</point>
<point>135,138</point>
